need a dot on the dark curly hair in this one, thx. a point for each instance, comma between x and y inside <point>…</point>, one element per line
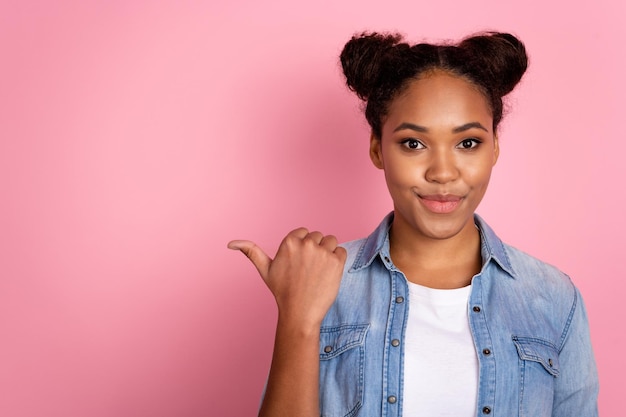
<point>380,66</point>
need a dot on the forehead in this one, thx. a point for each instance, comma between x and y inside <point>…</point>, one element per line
<point>439,99</point>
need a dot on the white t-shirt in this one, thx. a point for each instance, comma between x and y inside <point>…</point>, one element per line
<point>440,361</point>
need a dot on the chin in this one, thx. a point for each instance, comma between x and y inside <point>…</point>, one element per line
<point>441,231</point>
<point>437,226</point>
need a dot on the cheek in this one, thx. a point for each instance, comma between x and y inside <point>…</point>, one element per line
<point>480,174</point>
<point>401,174</point>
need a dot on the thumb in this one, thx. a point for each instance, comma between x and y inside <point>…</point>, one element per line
<point>256,255</point>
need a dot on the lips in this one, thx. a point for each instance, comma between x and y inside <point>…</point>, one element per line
<point>440,203</point>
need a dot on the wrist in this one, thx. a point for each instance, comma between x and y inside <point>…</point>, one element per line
<point>299,327</point>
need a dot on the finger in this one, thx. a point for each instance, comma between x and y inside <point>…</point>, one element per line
<point>329,242</point>
<point>256,255</point>
<point>341,253</point>
<point>292,240</point>
<point>315,237</point>
<point>300,233</point>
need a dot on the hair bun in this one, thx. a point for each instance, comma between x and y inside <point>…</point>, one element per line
<point>362,59</point>
<point>502,59</point>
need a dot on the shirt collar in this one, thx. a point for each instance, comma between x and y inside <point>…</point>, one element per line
<point>492,248</point>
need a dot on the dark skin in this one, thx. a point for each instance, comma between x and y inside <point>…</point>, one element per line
<point>304,278</point>
<point>436,174</point>
<point>437,151</point>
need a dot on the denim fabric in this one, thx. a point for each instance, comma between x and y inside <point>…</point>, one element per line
<point>527,319</point>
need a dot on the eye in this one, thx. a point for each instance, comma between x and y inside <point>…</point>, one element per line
<point>413,144</point>
<point>469,143</point>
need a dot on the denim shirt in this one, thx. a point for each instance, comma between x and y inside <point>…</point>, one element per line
<point>527,320</point>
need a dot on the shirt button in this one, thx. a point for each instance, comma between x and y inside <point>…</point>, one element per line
<point>392,399</point>
<point>396,343</point>
<point>476,309</point>
<point>550,362</point>
<point>486,410</point>
<point>486,352</point>
<point>387,259</point>
<point>399,300</point>
<point>328,349</point>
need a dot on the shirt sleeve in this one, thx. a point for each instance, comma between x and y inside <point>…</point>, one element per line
<point>576,390</point>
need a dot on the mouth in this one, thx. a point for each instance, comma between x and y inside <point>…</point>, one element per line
<point>440,203</point>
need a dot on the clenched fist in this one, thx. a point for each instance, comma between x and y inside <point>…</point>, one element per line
<point>304,276</point>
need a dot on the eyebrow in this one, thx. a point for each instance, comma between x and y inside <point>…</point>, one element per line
<point>458,129</point>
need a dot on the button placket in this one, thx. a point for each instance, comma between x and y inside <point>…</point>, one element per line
<point>398,310</point>
<point>478,326</point>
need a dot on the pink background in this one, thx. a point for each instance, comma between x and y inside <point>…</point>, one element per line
<point>137,138</point>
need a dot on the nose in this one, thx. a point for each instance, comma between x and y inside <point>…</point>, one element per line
<point>442,168</point>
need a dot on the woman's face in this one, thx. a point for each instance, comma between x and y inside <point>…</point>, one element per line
<point>437,150</point>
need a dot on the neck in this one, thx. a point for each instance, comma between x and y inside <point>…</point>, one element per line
<point>437,263</point>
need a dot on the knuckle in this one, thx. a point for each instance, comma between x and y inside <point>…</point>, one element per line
<point>296,234</point>
<point>299,230</point>
<point>309,242</point>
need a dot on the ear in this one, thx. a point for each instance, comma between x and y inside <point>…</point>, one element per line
<point>376,154</point>
<point>496,149</point>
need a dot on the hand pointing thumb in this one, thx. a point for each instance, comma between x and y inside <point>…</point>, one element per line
<point>256,255</point>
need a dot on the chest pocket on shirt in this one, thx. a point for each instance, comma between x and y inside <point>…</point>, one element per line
<point>537,350</point>
<point>342,351</point>
<point>539,366</point>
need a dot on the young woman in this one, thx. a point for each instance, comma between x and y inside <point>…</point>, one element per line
<point>431,315</point>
